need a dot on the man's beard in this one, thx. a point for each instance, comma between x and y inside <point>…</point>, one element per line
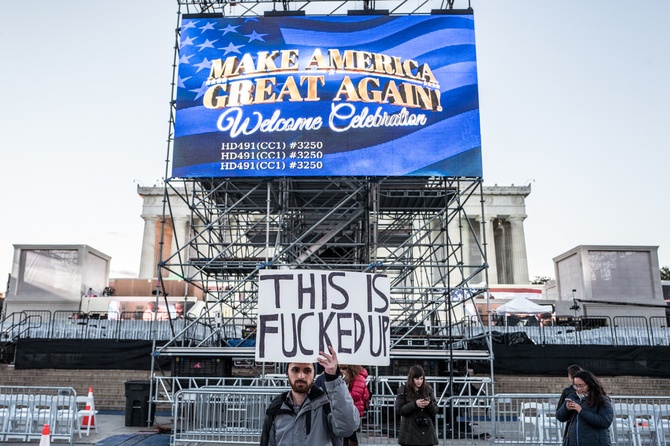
<point>301,386</point>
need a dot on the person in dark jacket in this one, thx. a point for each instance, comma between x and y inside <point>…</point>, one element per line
<point>570,390</point>
<point>574,368</point>
<point>589,413</point>
<point>417,407</point>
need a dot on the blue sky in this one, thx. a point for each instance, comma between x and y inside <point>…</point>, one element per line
<point>574,100</point>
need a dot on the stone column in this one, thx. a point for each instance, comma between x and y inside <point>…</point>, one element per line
<point>453,252</point>
<point>491,258</point>
<point>466,240</point>
<point>438,272</point>
<point>148,263</point>
<point>181,233</point>
<point>519,256</point>
<point>502,242</point>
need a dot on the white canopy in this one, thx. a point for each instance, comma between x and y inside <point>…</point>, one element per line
<point>522,305</point>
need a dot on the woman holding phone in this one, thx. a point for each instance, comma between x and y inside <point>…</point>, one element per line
<point>417,407</point>
<point>589,413</point>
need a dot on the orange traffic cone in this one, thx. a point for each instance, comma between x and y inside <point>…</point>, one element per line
<point>88,420</point>
<point>46,436</point>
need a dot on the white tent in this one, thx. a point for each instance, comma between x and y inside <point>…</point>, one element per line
<point>522,305</point>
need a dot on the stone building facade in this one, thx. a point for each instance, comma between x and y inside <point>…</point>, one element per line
<point>503,223</point>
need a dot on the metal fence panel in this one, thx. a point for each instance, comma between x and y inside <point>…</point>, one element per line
<point>592,330</point>
<point>234,415</point>
<point>221,414</point>
<point>25,410</point>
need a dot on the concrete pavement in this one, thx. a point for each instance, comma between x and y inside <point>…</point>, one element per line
<point>112,431</point>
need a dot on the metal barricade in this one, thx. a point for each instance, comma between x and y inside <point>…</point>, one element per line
<point>221,414</point>
<point>530,419</point>
<point>463,410</point>
<point>25,410</point>
<point>471,420</point>
<point>166,387</point>
<point>234,415</point>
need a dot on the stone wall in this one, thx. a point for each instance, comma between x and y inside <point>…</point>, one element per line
<point>109,388</point>
<point>614,385</point>
<point>108,385</point>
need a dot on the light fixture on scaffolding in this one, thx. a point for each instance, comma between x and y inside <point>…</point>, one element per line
<point>368,9</point>
<point>284,12</point>
<point>449,10</point>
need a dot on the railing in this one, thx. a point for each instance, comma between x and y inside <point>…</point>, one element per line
<point>18,325</point>
<point>68,325</point>
<point>225,415</point>
<point>221,414</point>
<point>593,330</point>
<point>25,410</point>
<point>166,387</point>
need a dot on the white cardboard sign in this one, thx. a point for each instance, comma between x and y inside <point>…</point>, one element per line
<point>301,312</point>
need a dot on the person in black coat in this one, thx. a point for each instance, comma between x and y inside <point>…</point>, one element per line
<point>570,390</point>
<point>574,368</point>
<point>589,413</point>
<point>417,408</point>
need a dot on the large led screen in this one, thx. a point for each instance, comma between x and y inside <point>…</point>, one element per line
<point>327,96</point>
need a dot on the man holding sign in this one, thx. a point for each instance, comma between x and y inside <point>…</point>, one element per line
<point>306,415</point>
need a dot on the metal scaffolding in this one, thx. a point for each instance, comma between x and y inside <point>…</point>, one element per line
<point>410,228</point>
<point>243,8</point>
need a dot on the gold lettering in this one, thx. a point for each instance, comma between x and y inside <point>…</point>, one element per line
<point>240,93</point>
<point>384,64</point>
<point>225,69</point>
<point>364,61</point>
<point>312,86</point>
<point>317,61</point>
<point>266,61</point>
<point>291,89</point>
<point>289,60</point>
<point>426,74</point>
<point>212,99</point>
<point>363,90</point>
<point>338,62</point>
<point>247,65</point>
<point>425,98</point>
<point>391,94</point>
<point>264,90</point>
<point>408,95</point>
<point>348,90</point>
<point>408,67</point>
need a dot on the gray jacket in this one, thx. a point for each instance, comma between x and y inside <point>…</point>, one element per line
<point>590,427</point>
<point>323,419</point>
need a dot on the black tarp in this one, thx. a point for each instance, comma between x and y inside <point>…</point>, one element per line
<point>497,337</point>
<point>90,354</point>
<point>606,360</point>
<point>516,359</point>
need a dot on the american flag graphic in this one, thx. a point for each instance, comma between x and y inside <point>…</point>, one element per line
<point>359,134</point>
